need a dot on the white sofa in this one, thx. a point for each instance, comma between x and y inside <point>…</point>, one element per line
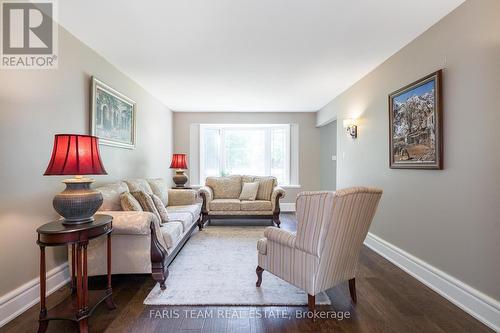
<point>139,242</point>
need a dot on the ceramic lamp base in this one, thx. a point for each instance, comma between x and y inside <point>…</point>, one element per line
<point>78,202</point>
<point>180,179</point>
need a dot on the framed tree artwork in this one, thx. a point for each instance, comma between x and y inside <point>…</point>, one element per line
<point>416,125</point>
<point>112,116</point>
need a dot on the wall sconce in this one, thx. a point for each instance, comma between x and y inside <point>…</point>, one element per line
<point>351,127</point>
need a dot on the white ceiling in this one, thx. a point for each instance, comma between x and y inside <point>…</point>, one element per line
<point>248,55</point>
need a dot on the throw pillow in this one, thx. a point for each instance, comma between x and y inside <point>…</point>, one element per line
<point>162,210</point>
<point>249,191</point>
<point>147,203</point>
<point>266,185</point>
<point>128,202</point>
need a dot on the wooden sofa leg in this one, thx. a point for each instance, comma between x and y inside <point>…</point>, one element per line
<point>200,223</point>
<point>259,271</point>
<point>352,289</point>
<point>276,219</point>
<point>160,275</point>
<point>311,302</point>
<point>204,219</point>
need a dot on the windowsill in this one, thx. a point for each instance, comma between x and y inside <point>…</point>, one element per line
<point>292,186</point>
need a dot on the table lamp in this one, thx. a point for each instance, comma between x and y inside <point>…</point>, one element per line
<point>179,162</point>
<point>76,155</point>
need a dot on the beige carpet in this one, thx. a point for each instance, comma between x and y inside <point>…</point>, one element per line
<point>217,267</point>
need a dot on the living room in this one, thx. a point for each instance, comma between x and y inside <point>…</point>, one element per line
<point>250,166</point>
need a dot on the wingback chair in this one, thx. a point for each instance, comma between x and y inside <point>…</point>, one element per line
<point>331,228</point>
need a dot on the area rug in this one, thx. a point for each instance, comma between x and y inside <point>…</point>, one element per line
<point>217,267</point>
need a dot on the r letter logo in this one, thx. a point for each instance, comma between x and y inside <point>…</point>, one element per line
<point>29,35</point>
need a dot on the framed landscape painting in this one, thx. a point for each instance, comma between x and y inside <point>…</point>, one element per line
<point>416,125</point>
<point>112,116</point>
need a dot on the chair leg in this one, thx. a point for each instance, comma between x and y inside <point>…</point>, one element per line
<point>311,302</point>
<point>259,271</point>
<point>352,289</point>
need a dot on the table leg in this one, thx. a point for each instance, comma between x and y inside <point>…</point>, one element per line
<point>85,279</point>
<point>109,301</point>
<point>79,278</point>
<point>73,263</point>
<point>42,323</point>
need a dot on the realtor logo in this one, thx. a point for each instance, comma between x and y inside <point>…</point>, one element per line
<point>29,34</point>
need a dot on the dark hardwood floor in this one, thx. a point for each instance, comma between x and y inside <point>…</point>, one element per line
<point>389,300</point>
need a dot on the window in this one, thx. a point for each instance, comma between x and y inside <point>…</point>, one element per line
<point>258,150</point>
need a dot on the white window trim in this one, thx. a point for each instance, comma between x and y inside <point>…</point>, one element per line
<point>288,159</point>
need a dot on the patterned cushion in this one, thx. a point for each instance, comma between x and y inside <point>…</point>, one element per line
<point>129,202</point>
<point>146,202</point>
<point>194,210</point>
<point>225,187</point>
<point>139,184</point>
<point>111,195</point>
<point>266,185</point>
<point>184,218</point>
<point>247,179</point>
<point>225,204</point>
<point>162,211</point>
<point>160,188</point>
<point>249,191</point>
<point>171,233</point>
<point>256,205</point>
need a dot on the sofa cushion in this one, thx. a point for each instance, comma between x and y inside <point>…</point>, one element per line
<point>171,232</point>
<point>194,210</point>
<point>249,191</point>
<point>225,187</point>
<point>184,218</point>
<point>162,211</point>
<point>247,179</point>
<point>129,202</point>
<point>256,205</point>
<point>147,203</point>
<point>138,184</point>
<point>225,204</point>
<point>111,195</point>
<point>160,187</point>
<point>266,185</point>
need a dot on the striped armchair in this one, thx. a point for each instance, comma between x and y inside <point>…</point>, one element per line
<point>324,252</point>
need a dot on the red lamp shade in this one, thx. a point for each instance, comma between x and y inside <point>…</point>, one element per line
<point>179,161</point>
<point>75,155</point>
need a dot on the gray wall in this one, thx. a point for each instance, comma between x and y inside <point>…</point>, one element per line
<point>35,105</point>
<point>308,138</point>
<point>328,167</point>
<point>450,218</point>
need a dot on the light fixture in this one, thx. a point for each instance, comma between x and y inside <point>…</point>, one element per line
<point>78,156</point>
<point>351,127</point>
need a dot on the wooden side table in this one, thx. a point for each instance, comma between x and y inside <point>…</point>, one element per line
<point>57,234</point>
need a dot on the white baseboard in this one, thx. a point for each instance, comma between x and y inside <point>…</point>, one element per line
<point>472,301</point>
<point>22,298</point>
<point>287,206</point>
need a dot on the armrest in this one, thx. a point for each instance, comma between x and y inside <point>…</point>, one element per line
<point>278,193</point>
<point>130,222</point>
<point>136,223</point>
<point>280,236</point>
<point>207,194</point>
<point>182,197</point>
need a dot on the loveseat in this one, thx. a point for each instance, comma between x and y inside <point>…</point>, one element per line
<point>221,199</point>
<point>140,242</point>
